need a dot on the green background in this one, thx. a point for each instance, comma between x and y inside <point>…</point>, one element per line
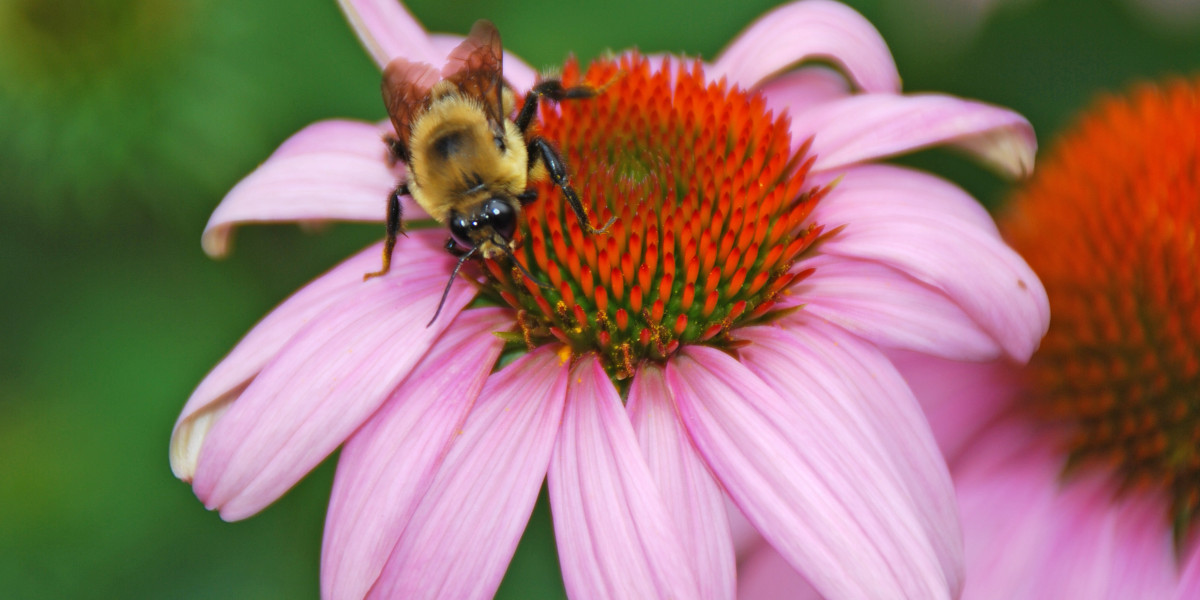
<point>122,124</point>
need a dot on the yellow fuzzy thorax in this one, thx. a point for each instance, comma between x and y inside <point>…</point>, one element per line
<point>455,161</point>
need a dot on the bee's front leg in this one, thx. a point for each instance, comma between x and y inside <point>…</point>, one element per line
<point>393,229</point>
<point>552,89</point>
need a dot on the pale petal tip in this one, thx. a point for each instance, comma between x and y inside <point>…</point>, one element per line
<point>215,241</point>
<point>185,451</point>
<point>188,438</point>
<point>1010,151</point>
<point>183,459</point>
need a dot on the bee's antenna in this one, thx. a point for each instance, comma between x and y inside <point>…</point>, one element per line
<point>520,266</point>
<point>446,292</point>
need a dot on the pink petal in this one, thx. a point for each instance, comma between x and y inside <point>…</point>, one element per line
<point>694,501</point>
<point>868,127</point>
<point>517,72</point>
<point>615,537</point>
<point>814,29</point>
<point>765,575</point>
<point>930,237</point>
<point>230,377</point>
<point>1189,585</point>
<point>1030,534</point>
<point>386,467</point>
<point>890,309</point>
<point>816,362</point>
<point>387,30</point>
<point>745,537</point>
<point>329,170</point>
<point>462,536</point>
<point>959,399</point>
<point>797,91</point>
<point>908,188</point>
<point>324,383</point>
<point>804,474</point>
<point>1142,561</point>
<point>1007,506</point>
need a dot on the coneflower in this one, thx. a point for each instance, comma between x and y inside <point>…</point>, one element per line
<point>725,335</point>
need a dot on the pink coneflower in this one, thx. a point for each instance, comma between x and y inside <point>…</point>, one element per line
<point>1079,475</point>
<point>725,335</point>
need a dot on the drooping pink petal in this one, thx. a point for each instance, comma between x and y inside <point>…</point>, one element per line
<point>867,127</point>
<point>811,29</point>
<point>801,472</point>
<point>1030,533</point>
<point>928,237</point>
<point>1142,560</point>
<point>1189,584</point>
<point>517,72</point>
<point>958,398</point>
<point>387,465</point>
<point>824,368</point>
<point>229,378</point>
<point>694,501</point>
<point>1016,514</point>
<point>891,309</point>
<point>324,383</point>
<point>387,30</point>
<point>615,536</point>
<point>797,91</point>
<point>465,530</point>
<point>332,170</point>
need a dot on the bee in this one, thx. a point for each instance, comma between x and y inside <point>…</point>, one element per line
<point>470,166</point>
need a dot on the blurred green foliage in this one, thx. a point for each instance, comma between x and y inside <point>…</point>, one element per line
<point>122,123</point>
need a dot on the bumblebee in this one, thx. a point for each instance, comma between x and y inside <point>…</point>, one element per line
<point>469,165</point>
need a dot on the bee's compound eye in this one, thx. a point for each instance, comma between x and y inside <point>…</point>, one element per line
<point>460,229</point>
<point>501,216</point>
<point>499,140</point>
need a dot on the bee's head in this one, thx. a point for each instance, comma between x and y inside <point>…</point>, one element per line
<point>476,233</point>
<point>490,218</point>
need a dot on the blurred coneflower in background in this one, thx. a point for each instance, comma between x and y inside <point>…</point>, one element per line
<point>1079,475</point>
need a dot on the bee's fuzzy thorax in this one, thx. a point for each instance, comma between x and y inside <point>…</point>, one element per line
<point>444,177</point>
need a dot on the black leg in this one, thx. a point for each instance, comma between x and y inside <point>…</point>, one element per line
<point>393,229</point>
<point>552,89</point>
<point>540,148</point>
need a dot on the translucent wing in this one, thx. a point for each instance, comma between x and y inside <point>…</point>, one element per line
<point>476,67</point>
<point>406,88</point>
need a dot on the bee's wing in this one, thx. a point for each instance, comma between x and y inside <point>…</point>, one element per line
<point>406,88</point>
<point>476,67</point>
